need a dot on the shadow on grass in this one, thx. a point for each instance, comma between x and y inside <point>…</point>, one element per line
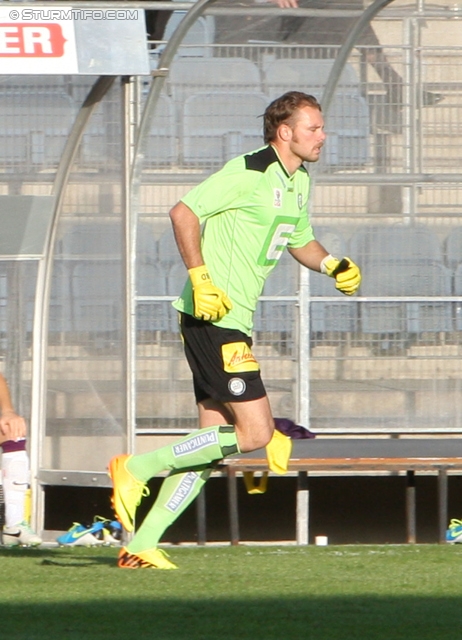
<point>56,557</point>
<point>336,618</point>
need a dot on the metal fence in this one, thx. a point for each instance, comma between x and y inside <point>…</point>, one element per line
<point>386,193</point>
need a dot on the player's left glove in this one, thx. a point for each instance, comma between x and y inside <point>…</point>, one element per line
<point>347,274</point>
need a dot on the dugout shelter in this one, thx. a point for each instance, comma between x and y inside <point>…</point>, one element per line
<point>95,152</point>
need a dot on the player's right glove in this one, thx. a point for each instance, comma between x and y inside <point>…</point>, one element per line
<point>210,302</point>
<point>347,274</point>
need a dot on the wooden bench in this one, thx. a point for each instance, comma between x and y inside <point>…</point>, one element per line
<point>333,455</point>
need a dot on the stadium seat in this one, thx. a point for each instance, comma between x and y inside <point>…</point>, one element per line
<point>218,126</point>
<point>91,239</point>
<point>101,144</point>
<point>97,297</point>
<point>102,140</point>
<point>168,253</point>
<point>37,138</point>
<point>279,315</point>
<point>331,239</point>
<point>91,253</point>
<point>221,93</point>
<point>162,147</point>
<point>405,280</point>
<point>151,315</point>
<point>332,316</point>
<point>98,240</point>
<point>453,248</point>
<point>188,76</point>
<point>147,250</point>
<point>61,303</point>
<point>373,245</point>
<point>347,122</point>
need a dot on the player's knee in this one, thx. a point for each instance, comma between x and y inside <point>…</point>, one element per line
<point>251,439</point>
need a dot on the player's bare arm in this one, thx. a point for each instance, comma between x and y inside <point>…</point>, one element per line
<point>186,228</point>
<point>12,426</point>
<point>311,255</point>
<point>347,274</point>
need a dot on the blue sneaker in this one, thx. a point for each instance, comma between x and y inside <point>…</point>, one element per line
<point>80,535</point>
<point>112,531</point>
<point>454,533</point>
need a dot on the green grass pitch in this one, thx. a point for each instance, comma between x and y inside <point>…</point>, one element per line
<point>235,593</point>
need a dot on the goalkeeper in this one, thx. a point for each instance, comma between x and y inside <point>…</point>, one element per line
<point>231,231</point>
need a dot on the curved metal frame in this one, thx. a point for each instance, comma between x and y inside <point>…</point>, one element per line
<point>157,83</point>
<point>159,76</point>
<point>42,295</point>
<point>345,50</point>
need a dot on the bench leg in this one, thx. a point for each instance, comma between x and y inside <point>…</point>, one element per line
<point>410,507</point>
<point>442,505</point>
<point>303,503</point>
<point>201,518</point>
<point>233,506</point>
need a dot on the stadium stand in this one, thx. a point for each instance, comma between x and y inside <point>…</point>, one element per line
<point>151,315</point>
<point>279,315</point>
<point>395,243</point>
<point>347,122</point>
<point>162,144</point>
<point>406,280</point>
<point>217,104</point>
<point>338,316</point>
<point>168,250</point>
<point>30,140</point>
<point>217,126</point>
<point>188,76</point>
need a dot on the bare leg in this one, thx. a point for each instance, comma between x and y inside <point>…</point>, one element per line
<point>252,420</point>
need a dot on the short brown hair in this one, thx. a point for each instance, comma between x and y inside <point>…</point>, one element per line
<point>282,109</point>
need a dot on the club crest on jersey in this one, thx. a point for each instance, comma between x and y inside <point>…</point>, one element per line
<point>277,198</point>
<point>237,386</point>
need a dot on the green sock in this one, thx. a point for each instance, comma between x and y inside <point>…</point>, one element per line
<point>198,449</point>
<point>177,492</point>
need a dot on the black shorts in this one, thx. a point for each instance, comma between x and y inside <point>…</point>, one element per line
<point>221,360</point>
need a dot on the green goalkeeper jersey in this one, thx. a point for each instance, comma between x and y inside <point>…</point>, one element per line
<point>251,210</point>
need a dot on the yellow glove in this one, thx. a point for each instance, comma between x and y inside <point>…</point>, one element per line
<point>210,302</point>
<point>347,274</point>
<point>254,488</point>
<point>278,452</point>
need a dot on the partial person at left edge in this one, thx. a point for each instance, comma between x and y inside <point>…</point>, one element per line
<point>15,473</point>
